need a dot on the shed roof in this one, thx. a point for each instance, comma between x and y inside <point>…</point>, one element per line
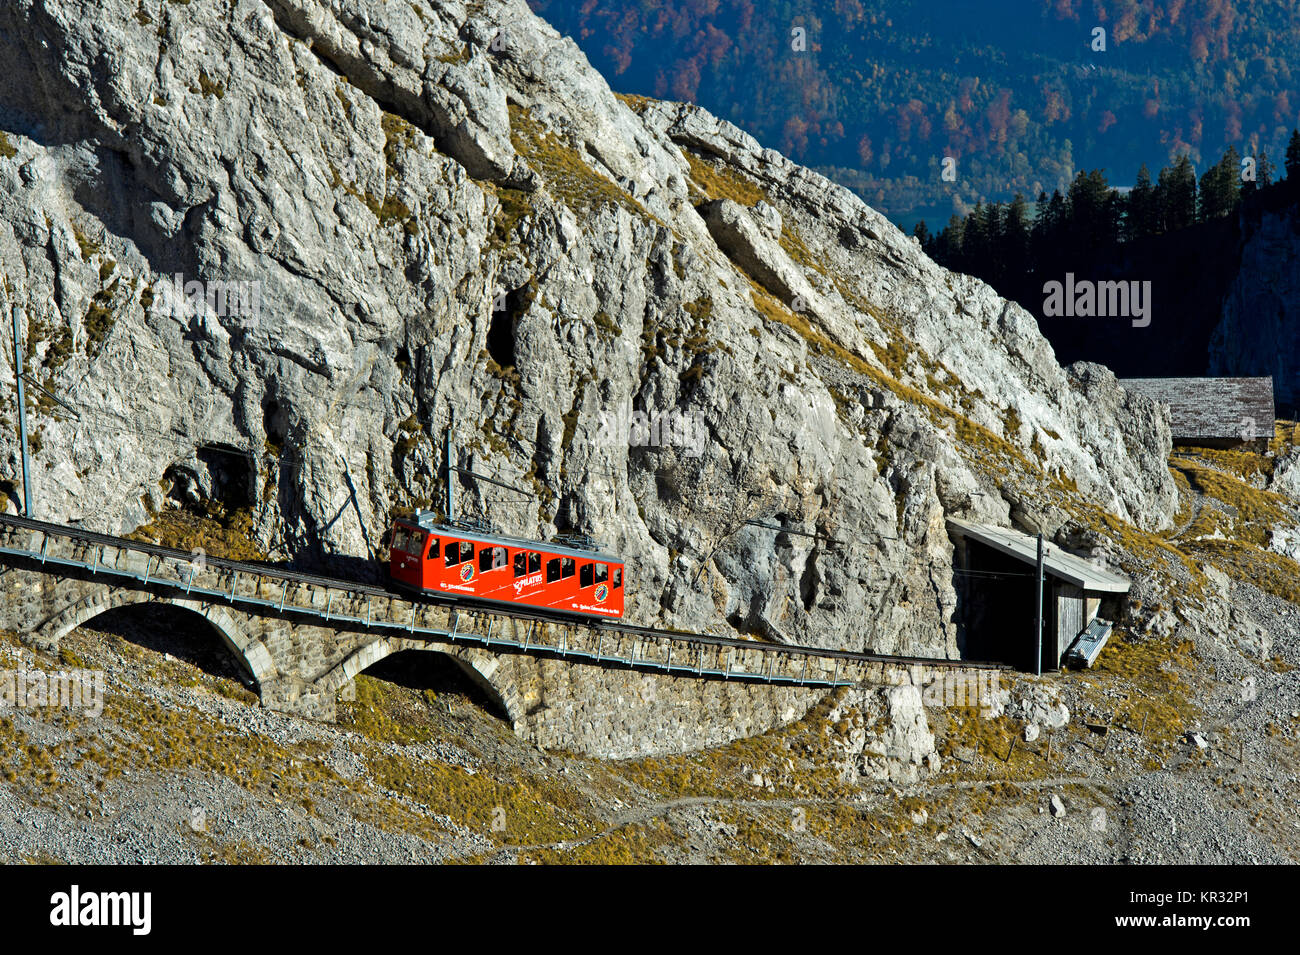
<point>1057,562</point>
<point>1217,408</point>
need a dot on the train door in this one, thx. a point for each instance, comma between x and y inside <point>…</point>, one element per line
<point>616,589</point>
<point>494,580</point>
<point>561,583</point>
<point>528,580</point>
<point>429,563</point>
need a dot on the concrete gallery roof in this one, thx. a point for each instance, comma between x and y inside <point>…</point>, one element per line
<point>1059,563</point>
<point>1220,408</point>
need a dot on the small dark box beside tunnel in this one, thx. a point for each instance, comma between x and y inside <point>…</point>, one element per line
<point>996,584</point>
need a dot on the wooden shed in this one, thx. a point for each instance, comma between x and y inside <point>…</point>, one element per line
<point>997,600</point>
<point>1213,412</point>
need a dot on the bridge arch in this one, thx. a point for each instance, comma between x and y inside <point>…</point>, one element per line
<point>247,649</point>
<point>481,667</point>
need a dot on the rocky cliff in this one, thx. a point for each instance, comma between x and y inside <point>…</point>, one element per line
<point>1259,329</point>
<point>406,211</point>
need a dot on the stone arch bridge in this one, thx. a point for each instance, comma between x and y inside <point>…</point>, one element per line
<point>613,689</point>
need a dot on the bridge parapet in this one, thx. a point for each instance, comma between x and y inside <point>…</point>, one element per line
<point>609,688</point>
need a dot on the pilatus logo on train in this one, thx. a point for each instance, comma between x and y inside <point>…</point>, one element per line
<point>527,582</point>
<point>467,572</point>
<point>601,593</point>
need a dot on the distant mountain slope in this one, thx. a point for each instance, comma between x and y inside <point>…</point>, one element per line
<point>1012,90</point>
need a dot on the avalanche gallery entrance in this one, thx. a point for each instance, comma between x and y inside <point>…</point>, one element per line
<point>996,572</point>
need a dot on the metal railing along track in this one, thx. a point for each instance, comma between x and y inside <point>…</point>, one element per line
<point>268,588</point>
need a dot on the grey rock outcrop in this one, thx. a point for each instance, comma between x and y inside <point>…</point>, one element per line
<point>1259,333</point>
<point>743,241</point>
<point>1286,475</point>
<point>1038,705</point>
<point>882,734</point>
<point>446,210</point>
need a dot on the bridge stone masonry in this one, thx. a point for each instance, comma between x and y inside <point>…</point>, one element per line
<point>611,690</point>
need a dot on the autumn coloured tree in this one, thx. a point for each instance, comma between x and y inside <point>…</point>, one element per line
<point>877,94</point>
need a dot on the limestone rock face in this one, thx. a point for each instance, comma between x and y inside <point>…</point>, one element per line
<point>402,211</point>
<point>1285,541</point>
<point>882,733</point>
<point>1259,333</point>
<point>743,240</point>
<point>1286,475</point>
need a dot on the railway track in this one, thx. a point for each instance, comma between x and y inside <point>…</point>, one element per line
<point>398,611</point>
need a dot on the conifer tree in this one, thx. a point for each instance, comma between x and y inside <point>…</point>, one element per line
<point>1263,170</point>
<point>1292,160</point>
<point>1219,187</point>
<point>1014,240</point>
<point>1176,195</point>
<point>1139,222</point>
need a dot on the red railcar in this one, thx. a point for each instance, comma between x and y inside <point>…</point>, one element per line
<point>455,562</point>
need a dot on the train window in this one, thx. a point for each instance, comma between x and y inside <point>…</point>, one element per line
<point>400,537</point>
<point>433,548</point>
<point>534,562</point>
<point>553,570</point>
<point>490,558</point>
<point>602,573</point>
<point>466,551</point>
<point>586,576</point>
<point>453,554</point>
<point>618,578</point>
<point>521,563</point>
<point>566,567</point>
